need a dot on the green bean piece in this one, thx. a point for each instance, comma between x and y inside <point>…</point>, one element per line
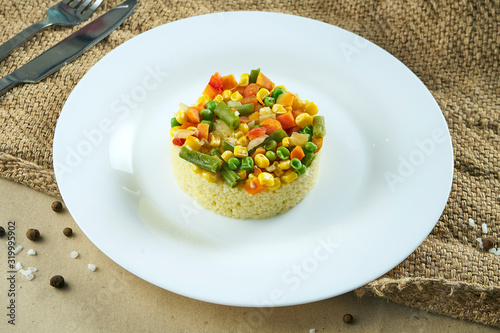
<point>204,161</point>
<point>283,153</point>
<point>296,164</point>
<point>276,136</point>
<point>215,152</point>
<point>227,115</point>
<point>174,122</point>
<point>231,177</point>
<point>271,155</point>
<point>319,129</point>
<point>210,124</point>
<point>253,75</point>
<point>271,145</point>
<point>207,114</point>
<point>308,158</point>
<point>245,109</point>
<point>310,146</point>
<point>226,145</point>
<point>301,170</point>
<point>269,101</point>
<point>211,105</point>
<point>247,164</point>
<point>276,92</point>
<point>233,163</point>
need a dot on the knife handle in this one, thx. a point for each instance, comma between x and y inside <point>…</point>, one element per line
<point>8,82</point>
<point>10,45</point>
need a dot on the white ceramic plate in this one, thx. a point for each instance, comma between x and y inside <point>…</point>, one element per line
<point>386,169</point>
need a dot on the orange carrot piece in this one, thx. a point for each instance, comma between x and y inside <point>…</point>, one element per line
<point>210,91</point>
<point>250,99</point>
<point>187,124</point>
<point>264,82</point>
<point>193,115</point>
<point>290,130</point>
<point>318,142</point>
<point>216,82</point>
<point>229,82</point>
<point>256,132</point>
<point>286,120</point>
<point>271,125</point>
<point>285,99</point>
<point>203,129</point>
<point>257,187</point>
<point>251,90</point>
<point>297,152</point>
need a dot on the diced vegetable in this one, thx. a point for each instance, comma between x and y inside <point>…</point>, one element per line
<point>204,161</point>
<point>264,81</point>
<point>216,82</point>
<point>256,132</point>
<point>211,105</point>
<point>286,120</point>
<point>227,115</point>
<point>311,147</point>
<point>193,115</point>
<point>245,109</point>
<point>318,142</point>
<point>203,130</point>
<point>251,90</point>
<point>319,130</point>
<point>229,82</point>
<point>295,163</point>
<point>231,177</point>
<point>283,153</point>
<point>227,145</point>
<point>278,91</point>
<point>285,99</point>
<point>174,122</point>
<point>271,125</point>
<point>276,136</point>
<point>253,187</point>
<point>308,158</point>
<point>233,163</point>
<point>206,114</point>
<point>247,164</point>
<point>297,153</point>
<point>253,75</point>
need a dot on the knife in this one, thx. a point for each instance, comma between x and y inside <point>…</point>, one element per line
<point>70,48</point>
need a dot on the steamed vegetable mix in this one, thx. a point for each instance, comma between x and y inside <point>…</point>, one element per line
<point>250,133</point>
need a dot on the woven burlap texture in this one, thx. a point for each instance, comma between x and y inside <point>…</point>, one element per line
<point>452,46</point>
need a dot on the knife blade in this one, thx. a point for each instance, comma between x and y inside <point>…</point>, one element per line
<point>70,48</point>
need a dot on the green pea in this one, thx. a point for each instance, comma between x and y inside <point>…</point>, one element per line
<point>310,146</point>
<point>283,153</point>
<point>269,101</point>
<point>206,114</point>
<point>247,164</point>
<point>174,122</point>
<point>278,91</point>
<point>211,105</point>
<point>296,164</point>
<point>271,145</point>
<point>233,163</point>
<point>271,155</point>
<point>210,124</point>
<point>308,130</point>
<point>301,170</point>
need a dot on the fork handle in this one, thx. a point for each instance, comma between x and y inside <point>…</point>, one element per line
<point>9,46</point>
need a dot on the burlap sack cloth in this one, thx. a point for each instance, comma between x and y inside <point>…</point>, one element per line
<point>453,47</point>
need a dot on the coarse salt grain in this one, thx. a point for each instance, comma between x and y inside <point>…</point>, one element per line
<point>312,330</point>
<point>92,267</point>
<point>492,250</point>
<point>17,249</point>
<point>32,269</point>
<point>485,228</point>
<point>471,223</point>
<point>18,266</point>
<point>74,254</point>
<point>480,240</point>
<point>31,252</point>
<point>28,274</point>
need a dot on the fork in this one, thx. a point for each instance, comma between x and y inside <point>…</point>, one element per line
<point>66,13</point>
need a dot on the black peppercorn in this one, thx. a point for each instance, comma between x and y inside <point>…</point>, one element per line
<point>488,243</point>
<point>67,232</point>
<point>347,318</point>
<point>57,206</point>
<point>57,281</point>
<point>2,232</point>
<point>33,234</point>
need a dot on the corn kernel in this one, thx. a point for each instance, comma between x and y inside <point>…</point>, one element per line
<point>214,140</point>
<point>279,109</point>
<point>278,172</point>
<point>286,142</point>
<point>196,169</point>
<point>289,176</point>
<point>244,80</point>
<point>243,141</point>
<point>181,116</point>
<point>242,174</point>
<point>311,108</point>
<point>236,96</point>
<point>193,142</point>
<point>262,93</point>
<point>243,128</point>
<point>266,179</point>
<point>227,155</point>
<point>251,177</point>
<point>261,161</point>
<point>277,184</point>
<point>218,98</point>
<point>303,120</point>
<point>203,99</point>
<point>284,165</point>
<point>240,151</point>
<point>226,94</point>
<point>173,129</point>
<point>210,176</point>
<point>254,117</point>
